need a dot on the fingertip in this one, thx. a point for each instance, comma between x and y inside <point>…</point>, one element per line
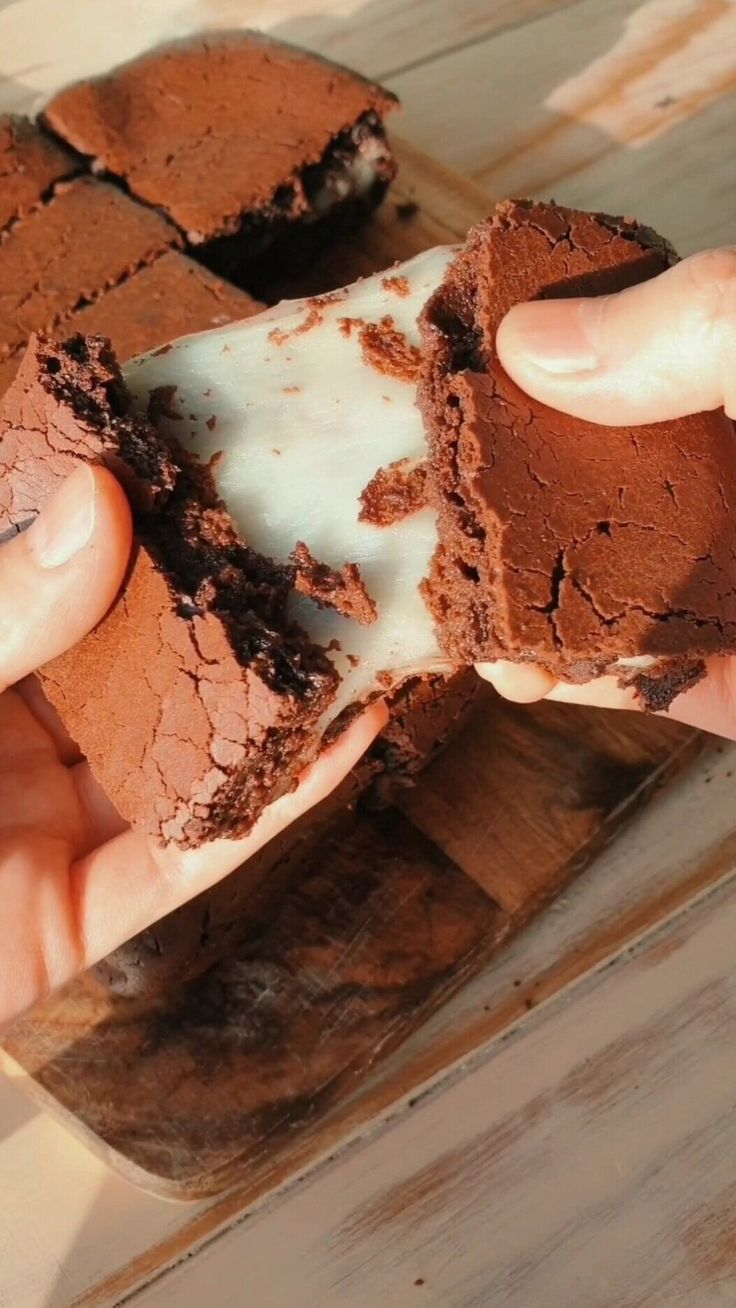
<point>521,683</point>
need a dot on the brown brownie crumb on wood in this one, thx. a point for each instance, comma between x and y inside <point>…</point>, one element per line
<point>342,589</point>
<point>227,694</point>
<point>565,542</point>
<point>394,493</point>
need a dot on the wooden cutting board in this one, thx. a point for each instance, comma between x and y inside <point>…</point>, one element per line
<point>233,1077</point>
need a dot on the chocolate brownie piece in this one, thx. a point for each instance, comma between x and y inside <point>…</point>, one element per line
<point>235,137</point>
<point>170,298</point>
<point>583,548</point>
<point>425,713</point>
<point>166,299</point>
<point>211,697</point>
<point>87,238</point>
<point>31,163</point>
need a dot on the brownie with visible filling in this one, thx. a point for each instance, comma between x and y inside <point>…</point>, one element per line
<point>424,714</point>
<point>583,548</point>
<point>211,696</point>
<point>31,163</point>
<point>237,138</point>
<point>87,238</point>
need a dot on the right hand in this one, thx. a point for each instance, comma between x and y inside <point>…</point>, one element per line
<point>651,353</point>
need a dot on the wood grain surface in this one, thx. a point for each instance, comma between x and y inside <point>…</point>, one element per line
<point>557,1171</point>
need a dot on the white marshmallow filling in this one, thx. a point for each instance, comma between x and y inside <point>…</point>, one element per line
<point>303,419</point>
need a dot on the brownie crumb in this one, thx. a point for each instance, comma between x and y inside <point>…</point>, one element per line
<point>394,493</point>
<point>398,285</point>
<point>656,693</point>
<point>386,349</point>
<point>211,423</point>
<point>342,589</point>
<point>313,318</point>
<point>162,403</point>
<point>347,324</point>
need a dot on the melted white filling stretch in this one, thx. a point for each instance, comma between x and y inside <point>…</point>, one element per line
<point>303,423</point>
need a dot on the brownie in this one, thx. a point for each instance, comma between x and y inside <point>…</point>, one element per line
<point>562,542</point>
<point>236,138</point>
<point>424,714</point>
<point>31,163</point>
<point>166,299</point>
<point>211,697</point>
<point>87,238</point>
<point>170,298</point>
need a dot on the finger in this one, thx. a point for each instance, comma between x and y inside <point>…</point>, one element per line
<point>59,578</point>
<point>604,692</point>
<point>103,820</point>
<point>29,690</point>
<point>656,351</point>
<point>710,705</point>
<point>124,886</point>
<point>523,683</point>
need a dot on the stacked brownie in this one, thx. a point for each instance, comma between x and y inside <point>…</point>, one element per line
<point>119,215</point>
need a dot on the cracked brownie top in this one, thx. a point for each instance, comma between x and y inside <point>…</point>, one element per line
<point>582,547</point>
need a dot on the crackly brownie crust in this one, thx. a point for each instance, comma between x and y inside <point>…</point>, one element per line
<point>563,542</point>
<point>49,267</point>
<point>168,298</point>
<point>233,137</point>
<point>172,297</point>
<point>227,695</point>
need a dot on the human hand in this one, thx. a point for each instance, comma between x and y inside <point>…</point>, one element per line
<point>657,351</point>
<point>75,880</point>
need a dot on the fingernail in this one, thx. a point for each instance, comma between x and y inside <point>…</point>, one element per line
<point>555,335</point>
<point>66,524</point>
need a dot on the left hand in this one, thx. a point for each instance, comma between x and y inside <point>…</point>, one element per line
<point>75,880</point>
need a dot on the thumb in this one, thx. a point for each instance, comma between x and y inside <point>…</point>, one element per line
<point>656,351</point>
<point>59,578</point>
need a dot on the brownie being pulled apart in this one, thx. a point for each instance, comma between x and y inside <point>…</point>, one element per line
<point>531,536</point>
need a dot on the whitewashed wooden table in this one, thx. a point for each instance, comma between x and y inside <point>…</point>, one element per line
<point>573,1140</point>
